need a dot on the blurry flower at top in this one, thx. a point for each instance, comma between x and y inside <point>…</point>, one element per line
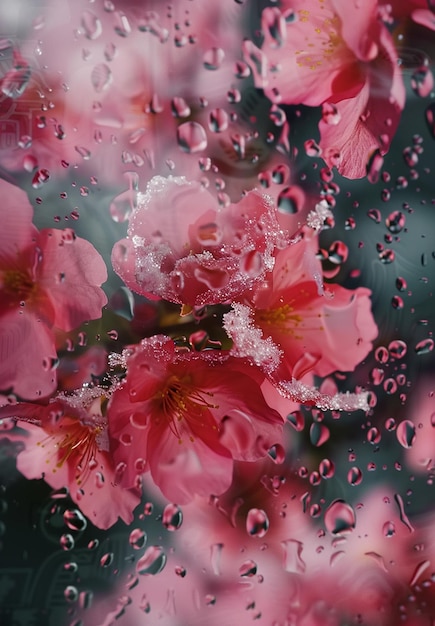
<point>48,279</point>
<point>182,247</point>
<point>421,11</point>
<point>339,55</point>
<point>317,329</point>
<point>67,444</point>
<point>186,416</point>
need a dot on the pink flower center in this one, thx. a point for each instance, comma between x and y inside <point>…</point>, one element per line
<point>18,283</point>
<point>181,400</point>
<point>284,320</point>
<point>323,42</point>
<point>79,443</point>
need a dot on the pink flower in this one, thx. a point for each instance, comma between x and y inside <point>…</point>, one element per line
<point>339,55</point>
<point>185,249</point>
<point>318,331</point>
<point>66,443</point>
<point>421,11</point>
<point>186,416</point>
<point>48,279</point>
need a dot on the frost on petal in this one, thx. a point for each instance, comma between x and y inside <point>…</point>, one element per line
<point>248,339</point>
<point>305,394</point>
<point>183,247</point>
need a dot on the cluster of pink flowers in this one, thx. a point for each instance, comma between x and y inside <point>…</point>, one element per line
<point>214,319</point>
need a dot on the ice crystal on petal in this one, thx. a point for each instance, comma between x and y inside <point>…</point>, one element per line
<point>299,392</point>
<point>250,342</point>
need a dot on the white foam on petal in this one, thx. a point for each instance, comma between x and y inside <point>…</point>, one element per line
<point>248,339</point>
<point>305,394</point>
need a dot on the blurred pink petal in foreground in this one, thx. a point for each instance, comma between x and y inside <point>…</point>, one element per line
<point>48,279</point>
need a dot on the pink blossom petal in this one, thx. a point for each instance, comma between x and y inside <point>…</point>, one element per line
<point>71,272</point>
<point>27,355</point>
<point>359,26</point>
<point>425,17</point>
<point>198,469</point>
<point>17,232</point>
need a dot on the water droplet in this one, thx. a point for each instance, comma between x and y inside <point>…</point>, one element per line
<point>191,137</point>
<point>248,569</point>
<point>330,114</point>
<point>67,541</point>
<point>75,520</point>
<point>180,108</point>
<point>374,166</point>
<point>395,222</point>
<point>40,177</point>
<point>297,420</point>
<point>354,476</point>
<point>122,25</point>
<point>71,593</point>
<point>326,468</point>
<point>401,284</point>
<point>137,538</point>
<point>422,81</point>
<point>319,434</point>
<point>257,523</point>
<point>397,349</point>
<point>430,118</point>
<point>387,256</point>
<point>405,433</point>
<point>101,77</point>
<point>107,559</point>
<point>213,58</point>
<point>389,529</point>
<point>91,25</point>
<point>375,215</point>
<point>152,562</point>
<point>83,152</point>
<point>290,200</point>
<point>339,517</point>
<point>424,347</point>
<point>218,120</point>
<point>172,517</point>
<point>312,149</point>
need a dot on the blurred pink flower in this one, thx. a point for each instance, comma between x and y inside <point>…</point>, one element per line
<point>186,416</point>
<point>339,55</point>
<point>67,444</point>
<point>182,247</point>
<point>48,279</point>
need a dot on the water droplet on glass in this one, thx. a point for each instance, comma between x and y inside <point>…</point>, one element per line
<point>218,120</point>
<point>101,77</point>
<point>312,149</point>
<point>319,434</point>
<point>405,433</point>
<point>397,349</point>
<point>339,517</point>
<point>83,152</point>
<point>297,420</point>
<point>422,81</point>
<point>424,347</point>
<point>137,538</point>
<point>374,166</point>
<point>71,593</point>
<point>430,118</point>
<point>191,137</point>
<point>107,559</point>
<point>389,529</point>
<point>330,114</point>
<point>248,569</point>
<point>152,562</point>
<point>213,58</point>
<point>67,541</point>
<point>354,476</point>
<point>257,523</point>
<point>91,25</point>
<point>40,177</point>
<point>375,215</point>
<point>326,468</point>
<point>172,517</point>
<point>75,520</point>
<point>122,25</point>
<point>290,200</point>
<point>395,222</point>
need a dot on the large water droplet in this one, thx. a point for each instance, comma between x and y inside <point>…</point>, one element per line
<point>213,58</point>
<point>248,569</point>
<point>191,137</point>
<point>172,517</point>
<point>424,347</point>
<point>101,77</point>
<point>137,538</point>
<point>257,523</point>
<point>395,222</point>
<point>339,517</point>
<point>91,25</point>
<point>354,476</point>
<point>405,433</point>
<point>218,120</point>
<point>75,520</point>
<point>152,562</point>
